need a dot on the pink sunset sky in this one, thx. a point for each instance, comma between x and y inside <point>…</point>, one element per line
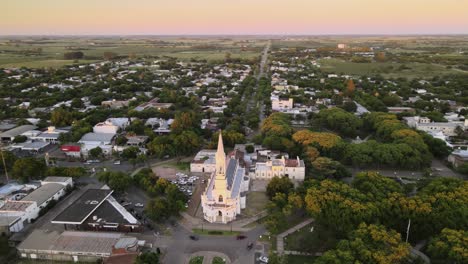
<point>177,17</point>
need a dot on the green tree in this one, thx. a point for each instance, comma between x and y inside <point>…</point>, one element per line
<point>130,152</point>
<point>96,152</point>
<point>121,140</point>
<point>117,181</point>
<point>450,246</point>
<point>186,142</point>
<point>161,146</point>
<point>26,169</point>
<point>9,158</point>
<point>371,244</point>
<point>339,120</point>
<point>277,124</point>
<point>148,258</point>
<point>249,148</point>
<point>157,209</point>
<point>279,185</point>
<point>61,117</point>
<point>20,139</point>
<point>375,185</point>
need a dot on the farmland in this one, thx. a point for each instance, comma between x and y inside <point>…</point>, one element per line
<point>37,52</point>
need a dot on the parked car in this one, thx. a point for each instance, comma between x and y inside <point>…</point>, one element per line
<point>117,162</point>
<point>139,205</point>
<point>263,259</point>
<point>240,237</point>
<point>126,204</point>
<point>192,237</point>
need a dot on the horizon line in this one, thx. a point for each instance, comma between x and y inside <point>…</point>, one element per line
<point>224,34</point>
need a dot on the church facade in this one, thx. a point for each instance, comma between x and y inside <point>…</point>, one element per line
<point>224,196</point>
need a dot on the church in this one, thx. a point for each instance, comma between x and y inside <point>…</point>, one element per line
<point>224,196</point>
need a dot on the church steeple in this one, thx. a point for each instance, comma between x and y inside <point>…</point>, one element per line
<point>220,157</point>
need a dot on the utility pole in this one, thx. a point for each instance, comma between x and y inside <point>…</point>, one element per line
<point>407,230</point>
<point>4,163</point>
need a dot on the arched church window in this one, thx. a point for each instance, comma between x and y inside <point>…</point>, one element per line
<point>220,199</point>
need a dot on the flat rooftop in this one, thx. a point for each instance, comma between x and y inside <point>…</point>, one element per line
<point>15,206</point>
<point>56,179</point>
<point>43,193</point>
<point>83,207</point>
<point>73,242</point>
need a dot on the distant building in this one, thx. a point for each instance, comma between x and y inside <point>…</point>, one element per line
<point>51,135</point>
<point>224,196</point>
<point>278,104</point>
<point>76,246</point>
<point>153,103</point>
<point>342,46</point>
<point>425,124</point>
<point>400,109</point>
<point>114,104</point>
<point>10,135</point>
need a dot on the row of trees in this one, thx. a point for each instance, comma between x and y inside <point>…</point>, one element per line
<point>167,200</point>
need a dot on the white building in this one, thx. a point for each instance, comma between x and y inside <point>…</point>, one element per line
<point>425,124</point>
<point>224,196</point>
<point>51,135</point>
<point>278,104</point>
<point>15,214</point>
<point>291,168</point>
<point>204,161</point>
<point>93,140</point>
<point>106,128</point>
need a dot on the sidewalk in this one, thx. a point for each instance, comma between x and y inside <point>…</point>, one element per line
<point>280,237</point>
<point>190,222</point>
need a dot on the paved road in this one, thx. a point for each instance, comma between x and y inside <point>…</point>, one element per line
<point>180,246</point>
<point>252,102</point>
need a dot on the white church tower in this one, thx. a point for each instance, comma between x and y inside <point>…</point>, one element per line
<point>221,200</point>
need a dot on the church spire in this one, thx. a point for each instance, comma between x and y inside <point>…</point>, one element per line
<point>220,156</point>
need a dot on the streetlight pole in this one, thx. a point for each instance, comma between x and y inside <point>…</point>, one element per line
<point>407,230</point>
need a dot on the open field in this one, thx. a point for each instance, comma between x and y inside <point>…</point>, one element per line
<point>48,52</point>
<point>386,69</point>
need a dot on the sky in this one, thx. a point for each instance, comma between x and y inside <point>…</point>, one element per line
<point>232,17</point>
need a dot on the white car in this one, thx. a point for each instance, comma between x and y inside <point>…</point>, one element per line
<point>139,205</point>
<point>117,162</point>
<point>263,259</point>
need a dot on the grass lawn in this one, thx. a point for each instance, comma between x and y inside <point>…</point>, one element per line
<point>181,165</point>
<point>256,202</point>
<point>218,260</point>
<point>215,232</point>
<point>303,240</point>
<point>196,260</point>
<point>294,259</point>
